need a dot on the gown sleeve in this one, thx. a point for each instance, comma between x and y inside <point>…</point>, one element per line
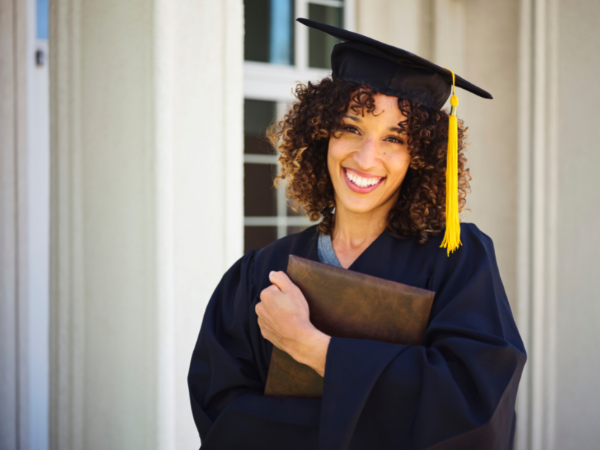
<point>457,391</point>
<point>226,388</point>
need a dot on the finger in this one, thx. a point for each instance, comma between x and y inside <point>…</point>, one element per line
<point>281,280</point>
<point>269,293</point>
<point>259,308</point>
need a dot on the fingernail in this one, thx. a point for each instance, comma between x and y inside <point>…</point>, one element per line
<point>271,272</point>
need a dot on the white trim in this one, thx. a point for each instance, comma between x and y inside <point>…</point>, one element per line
<point>164,42</point>
<point>15,350</point>
<point>552,188</point>
<point>268,221</point>
<point>331,3</point>
<point>232,21</point>
<point>39,246</point>
<point>263,81</point>
<point>350,15</point>
<point>260,159</point>
<point>67,289</point>
<point>301,36</point>
<point>524,217</point>
<point>537,246</point>
<point>539,171</point>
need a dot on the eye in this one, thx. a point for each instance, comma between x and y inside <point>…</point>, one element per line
<point>395,140</point>
<point>350,129</point>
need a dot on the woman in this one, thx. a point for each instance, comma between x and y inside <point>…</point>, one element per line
<point>366,152</point>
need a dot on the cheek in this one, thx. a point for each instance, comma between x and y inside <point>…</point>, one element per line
<point>335,154</point>
<point>399,165</point>
<point>335,150</point>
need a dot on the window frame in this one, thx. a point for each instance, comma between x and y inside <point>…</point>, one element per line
<point>274,82</point>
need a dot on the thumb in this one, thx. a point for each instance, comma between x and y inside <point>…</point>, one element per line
<point>281,280</point>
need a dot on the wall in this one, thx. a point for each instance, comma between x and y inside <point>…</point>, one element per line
<point>147,213</point>
<point>578,240</point>
<point>491,61</point>
<point>146,209</point>
<point>479,40</point>
<point>14,374</point>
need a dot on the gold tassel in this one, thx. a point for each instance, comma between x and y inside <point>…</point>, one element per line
<point>452,235</point>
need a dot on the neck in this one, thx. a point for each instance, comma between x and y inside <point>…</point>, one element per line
<point>354,230</point>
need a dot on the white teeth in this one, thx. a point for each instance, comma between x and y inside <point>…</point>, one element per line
<point>360,181</point>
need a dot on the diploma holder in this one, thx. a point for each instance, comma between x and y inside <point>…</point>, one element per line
<point>347,304</point>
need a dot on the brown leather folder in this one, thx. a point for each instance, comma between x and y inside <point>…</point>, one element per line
<point>347,304</point>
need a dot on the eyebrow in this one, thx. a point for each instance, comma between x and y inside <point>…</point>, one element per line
<point>397,130</point>
<point>358,119</point>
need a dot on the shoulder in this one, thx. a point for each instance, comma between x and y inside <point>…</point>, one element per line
<point>472,240</point>
<point>253,268</point>
<point>475,243</point>
<point>296,244</point>
<point>475,256</point>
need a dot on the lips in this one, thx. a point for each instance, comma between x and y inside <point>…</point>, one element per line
<point>360,181</point>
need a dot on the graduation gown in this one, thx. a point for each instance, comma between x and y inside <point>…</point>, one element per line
<point>457,391</point>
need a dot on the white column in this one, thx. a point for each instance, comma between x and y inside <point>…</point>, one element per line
<point>147,209</point>
<point>14,389</point>
<point>538,276</point>
<point>199,174</point>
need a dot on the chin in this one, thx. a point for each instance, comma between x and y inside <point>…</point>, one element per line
<point>359,207</point>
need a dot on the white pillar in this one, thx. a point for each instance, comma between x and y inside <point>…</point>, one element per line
<point>14,389</point>
<point>147,209</point>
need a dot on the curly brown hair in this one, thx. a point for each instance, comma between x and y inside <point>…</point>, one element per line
<point>302,139</point>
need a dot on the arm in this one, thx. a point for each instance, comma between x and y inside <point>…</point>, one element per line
<point>456,391</point>
<point>226,378</point>
<point>283,317</point>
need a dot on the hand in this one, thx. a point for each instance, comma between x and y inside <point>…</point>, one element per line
<point>284,320</point>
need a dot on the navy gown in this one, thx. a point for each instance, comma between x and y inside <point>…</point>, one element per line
<point>457,391</point>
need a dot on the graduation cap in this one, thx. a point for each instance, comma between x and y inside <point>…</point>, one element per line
<point>396,72</point>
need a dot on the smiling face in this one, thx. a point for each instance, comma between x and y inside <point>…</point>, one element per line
<point>369,158</point>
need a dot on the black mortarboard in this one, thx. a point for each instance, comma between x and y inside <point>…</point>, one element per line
<point>393,71</point>
<point>390,70</point>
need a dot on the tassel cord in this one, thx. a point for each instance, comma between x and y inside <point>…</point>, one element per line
<point>452,234</point>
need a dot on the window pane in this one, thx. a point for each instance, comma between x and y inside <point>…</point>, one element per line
<point>281,48</point>
<point>256,41</point>
<point>321,44</point>
<point>269,31</point>
<point>258,115</point>
<point>260,198</point>
<point>41,10</point>
<point>258,237</point>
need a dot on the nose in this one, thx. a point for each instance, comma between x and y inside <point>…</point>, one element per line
<point>368,154</point>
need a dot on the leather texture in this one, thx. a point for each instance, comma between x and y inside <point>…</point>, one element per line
<point>347,304</point>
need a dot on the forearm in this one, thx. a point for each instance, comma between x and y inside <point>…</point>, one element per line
<point>311,349</point>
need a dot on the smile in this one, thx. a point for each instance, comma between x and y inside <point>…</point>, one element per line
<point>360,183</point>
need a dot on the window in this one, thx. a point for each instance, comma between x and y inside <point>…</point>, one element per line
<point>278,52</point>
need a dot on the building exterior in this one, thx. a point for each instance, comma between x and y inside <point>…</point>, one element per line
<point>124,201</point>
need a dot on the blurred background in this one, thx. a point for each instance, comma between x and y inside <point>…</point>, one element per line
<point>134,171</point>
